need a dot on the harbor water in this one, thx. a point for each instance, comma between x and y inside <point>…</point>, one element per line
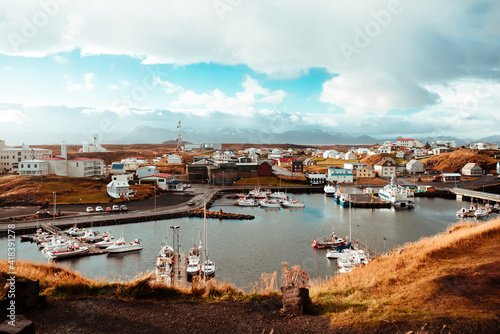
<point>244,249</point>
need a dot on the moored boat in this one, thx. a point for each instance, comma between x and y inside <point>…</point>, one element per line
<point>278,195</point>
<point>292,203</point>
<point>164,264</point>
<point>120,246</point>
<point>397,195</point>
<point>193,261</point>
<point>71,250</point>
<point>329,190</point>
<point>331,242</point>
<point>270,203</point>
<point>245,201</point>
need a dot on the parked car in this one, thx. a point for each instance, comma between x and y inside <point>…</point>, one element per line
<point>123,207</point>
<point>108,209</point>
<point>90,209</point>
<point>99,209</point>
<point>116,208</point>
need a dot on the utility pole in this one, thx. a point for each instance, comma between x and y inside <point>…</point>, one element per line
<point>55,206</point>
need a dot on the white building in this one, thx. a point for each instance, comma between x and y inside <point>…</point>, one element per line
<point>164,181</point>
<point>387,143</point>
<point>385,168</point>
<point>133,163</point>
<point>123,177</point>
<point>117,189</point>
<point>400,154</point>
<point>350,156</point>
<point>415,166</point>
<point>340,155</point>
<point>315,179</point>
<point>406,142</point>
<point>420,152</point>
<point>174,159</point>
<point>11,157</point>
<point>362,150</point>
<point>340,175</point>
<point>33,167</point>
<point>382,150</point>
<point>95,147</point>
<point>330,154</point>
<point>146,171</point>
<point>192,147</point>
<point>57,165</point>
<point>85,167</point>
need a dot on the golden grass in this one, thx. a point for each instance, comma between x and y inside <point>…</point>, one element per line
<point>432,278</point>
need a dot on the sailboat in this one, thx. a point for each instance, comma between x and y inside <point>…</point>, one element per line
<point>208,266</point>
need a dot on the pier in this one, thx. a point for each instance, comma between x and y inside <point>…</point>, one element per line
<point>485,197</point>
<point>356,245</point>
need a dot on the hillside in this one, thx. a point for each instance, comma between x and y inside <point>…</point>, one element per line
<point>453,162</point>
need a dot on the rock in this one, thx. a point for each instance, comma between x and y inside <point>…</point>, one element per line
<point>295,300</point>
<point>22,326</point>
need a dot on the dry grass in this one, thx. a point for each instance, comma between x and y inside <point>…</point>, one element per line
<point>454,274</point>
<point>454,161</point>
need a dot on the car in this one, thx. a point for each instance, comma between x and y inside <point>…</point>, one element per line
<point>90,209</point>
<point>108,209</point>
<point>116,208</point>
<point>99,209</point>
<point>191,203</point>
<point>123,207</point>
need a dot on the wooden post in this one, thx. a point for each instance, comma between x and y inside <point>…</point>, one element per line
<point>295,300</point>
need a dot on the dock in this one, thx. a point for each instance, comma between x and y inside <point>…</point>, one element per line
<point>356,245</point>
<point>180,278</point>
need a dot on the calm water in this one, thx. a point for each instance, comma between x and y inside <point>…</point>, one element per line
<point>242,250</point>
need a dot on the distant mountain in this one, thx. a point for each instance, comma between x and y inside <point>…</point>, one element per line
<point>491,139</point>
<point>149,135</point>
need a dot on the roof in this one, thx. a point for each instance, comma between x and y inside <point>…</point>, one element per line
<point>470,165</point>
<point>85,159</point>
<point>404,139</point>
<point>165,175</point>
<point>117,166</point>
<point>118,183</point>
<point>52,158</point>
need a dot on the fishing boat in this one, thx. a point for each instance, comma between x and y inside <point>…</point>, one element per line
<point>259,194</point>
<point>71,250</point>
<point>164,264</point>
<point>360,257</point>
<point>278,195</point>
<point>329,190</point>
<point>91,236</point>
<point>481,213</point>
<point>397,195</point>
<point>463,212</point>
<point>331,242</point>
<point>292,203</point>
<point>75,232</point>
<point>120,246</point>
<point>106,241</point>
<point>339,251</point>
<point>270,203</point>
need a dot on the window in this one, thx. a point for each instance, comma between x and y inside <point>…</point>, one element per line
<point>29,166</point>
<point>34,166</point>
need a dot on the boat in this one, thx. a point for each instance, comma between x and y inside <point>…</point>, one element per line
<point>360,257</point>
<point>245,201</point>
<point>292,203</point>
<point>481,213</point>
<point>164,264</point>
<point>52,244</point>
<point>105,242</point>
<point>463,212</point>
<point>329,190</point>
<point>259,194</point>
<point>339,251</point>
<point>345,262</point>
<point>193,261</point>
<point>278,195</point>
<point>397,195</point>
<point>91,236</point>
<point>120,246</point>
<point>71,250</point>
<point>75,232</point>
<point>270,203</point>
<point>344,199</point>
<point>208,266</point>
<point>331,242</point>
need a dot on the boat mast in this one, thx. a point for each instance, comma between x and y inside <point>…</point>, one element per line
<point>205,239</point>
<point>350,219</point>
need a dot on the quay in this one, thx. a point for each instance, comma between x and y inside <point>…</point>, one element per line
<point>93,250</point>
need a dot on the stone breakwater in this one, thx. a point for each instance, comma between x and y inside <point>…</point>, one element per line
<point>218,215</point>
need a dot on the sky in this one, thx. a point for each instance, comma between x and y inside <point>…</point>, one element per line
<point>390,68</point>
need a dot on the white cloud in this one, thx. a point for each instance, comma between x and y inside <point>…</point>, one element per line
<point>61,60</point>
<point>87,84</point>
<point>169,87</point>
<point>120,110</point>
<point>13,116</point>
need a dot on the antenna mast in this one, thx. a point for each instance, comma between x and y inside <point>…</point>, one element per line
<point>179,138</point>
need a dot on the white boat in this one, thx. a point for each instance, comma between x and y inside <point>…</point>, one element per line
<point>481,213</point>
<point>247,202</point>
<point>208,268</point>
<point>345,270</point>
<point>105,242</point>
<point>329,190</point>
<point>397,195</point>
<point>270,203</point>
<point>292,203</point>
<point>336,253</point>
<point>75,231</point>
<point>164,264</point>
<point>120,246</point>
<point>68,251</point>
<point>193,261</point>
<point>91,236</point>
<point>259,194</point>
<point>345,262</point>
<point>360,257</point>
<point>54,244</point>
<point>278,195</point>
<point>463,212</point>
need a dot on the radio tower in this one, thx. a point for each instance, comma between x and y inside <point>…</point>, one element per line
<point>179,139</point>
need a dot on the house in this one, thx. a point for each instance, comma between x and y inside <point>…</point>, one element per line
<point>192,147</point>
<point>350,156</point>
<point>146,171</point>
<point>387,143</point>
<point>382,150</point>
<point>163,181</point>
<point>309,162</point>
<point>440,150</point>
<point>297,166</point>
<point>339,175</point>
<point>316,179</point>
<point>472,169</point>
<point>85,167</point>
<point>400,155</point>
<point>444,143</point>
<point>244,160</point>
<point>415,166</point>
<point>483,146</point>
<point>448,177</point>
<point>119,189</point>
<point>420,152</point>
<point>330,154</point>
<point>117,168</point>
<point>365,172</point>
<point>284,162</point>
<point>174,159</point>
<point>362,150</point>
<point>340,155</point>
<point>33,167</point>
<point>264,169</point>
<point>385,168</point>
<point>128,177</point>
<point>11,157</point>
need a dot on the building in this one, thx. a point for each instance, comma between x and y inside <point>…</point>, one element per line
<point>192,147</point>
<point>483,146</point>
<point>364,172</point>
<point>400,155</point>
<point>330,154</point>
<point>119,189</point>
<point>340,175</point>
<point>264,169</point>
<point>174,159</point>
<point>385,168</point>
<point>472,169</point>
<point>415,166</point>
<point>448,177</point>
<point>57,165</point>
<point>297,166</point>
<point>440,150</point>
<point>163,181</point>
<point>133,163</point>
<point>406,142</point>
<point>309,162</point>
<point>350,156</point>
<point>117,168</point>
<point>286,162</point>
<point>128,177</point>
<point>95,147</point>
<point>33,167</point>
<point>316,179</point>
<point>146,171</point>
<point>11,157</point>
<point>362,150</point>
<point>85,167</point>
<point>198,171</point>
<point>420,152</point>
<point>383,150</point>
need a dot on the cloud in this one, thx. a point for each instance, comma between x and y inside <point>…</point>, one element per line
<point>87,84</point>
<point>13,116</point>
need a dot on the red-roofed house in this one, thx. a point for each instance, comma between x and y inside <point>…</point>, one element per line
<point>282,162</point>
<point>407,142</point>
